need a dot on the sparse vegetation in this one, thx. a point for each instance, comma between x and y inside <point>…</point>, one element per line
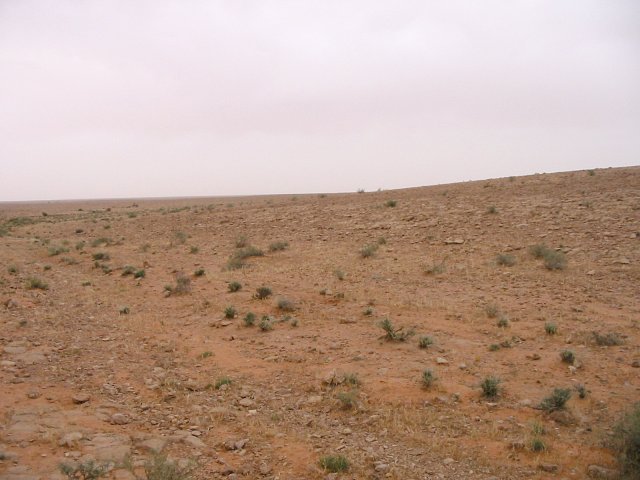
<point>425,342</point>
<point>194,249</point>
<point>249,319</point>
<point>101,256</point>
<point>36,283</point>
<point>492,310</point>
<point>394,334</point>
<point>490,387</point>
<point>262,293</point>
<point>368,250</point>
<point>390,203</point>
<point>567,356</point>
<point>230,312</point>
<point>160,468</point>
<point>503,322</point>
<point>339,274</point>
<point>627,442</point>
<point>222,381</point>
<point>607,339</point>
<point>128,270</point>
<point>505,260</point>
<point>435,269</point>
<point>582,390</point>
<point>428,378</point>
<point>199,272</point>
<point>550,328</point>
<point>266,323</point>
<point>182,286</point>
<point>352,379</point>
<point>334,463</point>
<point>57,250</point>
<point>85,470</point>
<point>537,445</point>
<point>367,312</point>
<point>139,273</point>
<point>234,286</point>
<point>349,399</point>
<point>557,400</point>
<point>286,305</point>
<point>492,209</point>
<point>241,241</point>
<point>278,246</point>
<point>12,269</point>
<point>555,260</point>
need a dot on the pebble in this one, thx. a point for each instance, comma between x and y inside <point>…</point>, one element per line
<point>448,461</point>
<point>596,471</point>
<point>245,402</point>
<point>120,419</point>
<point>80,398</point>
<point>442,361</point>
<point>548,467</point>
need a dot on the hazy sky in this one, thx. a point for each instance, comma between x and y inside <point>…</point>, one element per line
<point>166,98</point>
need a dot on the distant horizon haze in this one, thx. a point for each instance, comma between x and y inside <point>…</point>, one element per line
<point>113,100</point>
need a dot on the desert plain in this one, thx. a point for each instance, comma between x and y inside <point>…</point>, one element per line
<point>123,344</point>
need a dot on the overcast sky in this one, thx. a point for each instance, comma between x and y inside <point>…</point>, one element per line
<point>169,98</point>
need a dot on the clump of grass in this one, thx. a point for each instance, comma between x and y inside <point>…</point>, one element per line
<point>503,322</point>
<point>179,238</point>
<point>538,250</point>
<point>537,445</point>
<point>101,256</point>
<point>278,246</point>
<point>124,310</point>
<point>425,342</point>
<point>352,379</point>
<point>160,468</point>
<point>206,354</point>
<point>241,241</point>
<point>194,249</point>
<point>492,209</point>
<point>101,242</point>
<point>199,272</point>
<point>505,260</point>
<point>182,286</point>
<point>557,400</point>
<point>368,250</point>
<point>235,263</point>
<point>139,273</point>
<point>490,387</point>
<point>237,260</point>
<point>555,260</point>
<point>491,310</point>
<point>334,463</point>
<point>286,305</point>
<point>12,269</point>
<point>262,293</point>
<point>249,319</point>
<point>582,390</point>
<point>234,286</point>
<point>80,245</point>
<point>627,442</point>
<point>57,250</point>
<point>494,347</point>
<point>128,270</point>
<point>222,381</point>
<point>607,339</point>
<point>550,328</point>
<point>381,241</point>
<point>266,323</point>
<point>339,274</point>
<point>230,312</point>
<point>394,334</point>
<point>86,470</point>
<point>567,356</point>
<point>367,312</point>
<point>349,399</point>
<point>428,378</point>
<point>435,269</point>
<point>36,283</point>
<point>390,203</point>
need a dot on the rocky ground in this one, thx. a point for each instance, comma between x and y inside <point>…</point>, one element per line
<point>98,365</point>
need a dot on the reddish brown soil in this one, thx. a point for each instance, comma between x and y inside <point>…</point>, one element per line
<point>158,364</point>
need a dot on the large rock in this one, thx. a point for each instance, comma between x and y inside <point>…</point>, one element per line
<point>596,471</point>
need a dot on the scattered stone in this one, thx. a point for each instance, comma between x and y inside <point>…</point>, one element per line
<point>635,364</point>
<point>448,461</point>
<point>442,361</point>
<point>70,439</point>
<point>119,419</point>
<point>381,467</point>
<point>80,398</point>
<point>454,241</point>
<point>265,469</point>
<point>313,399</point>
<point>153,445</point>
<point>245,402</point>
<point>193,441</point>
<point>596,471</point>
<point>33,394</point>
<point>549,467</point>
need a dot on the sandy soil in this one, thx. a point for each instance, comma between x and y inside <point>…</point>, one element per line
<point>106,366</point>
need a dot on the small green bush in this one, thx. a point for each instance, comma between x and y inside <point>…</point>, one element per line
<point>368,250</point>
<point>394,334</point>
<point>490,386</point>
<point>503,322</point>
<point>86,470</point>
<point>160,468</point>
<point>492,310</point>
<point>249,319</point>
<point>36,283</point>
<point>550,328</point>
<point>505,260</point>
<point>241,241</point>
<point>428,378</point>
<point>234,287</point>
<point>262,293</point>
<point>607,339</point>
<point>627,442</point>
<point>492,209</point>
<point>557,400</point>
<point>128,270</point>
<point>554,260</point>
<point>139,273</point>
<point>222,381</point>
<point>567,356</point>
<point>537,445</point>
<point>390,203</point>
<point>352,379</point>
<point>230,312</point>
<point>278,246</point>
<point>266,323</point>
<point>101,256</point>
<point>425,342</point>
<point>199,272</point>
<point>349,399</point>
<point>57,250</point>
<point>193,249</point>
<point>334,463</point>
<point>286,305</point>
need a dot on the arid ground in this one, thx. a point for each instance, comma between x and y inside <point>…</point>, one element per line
<point>115,343</point>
